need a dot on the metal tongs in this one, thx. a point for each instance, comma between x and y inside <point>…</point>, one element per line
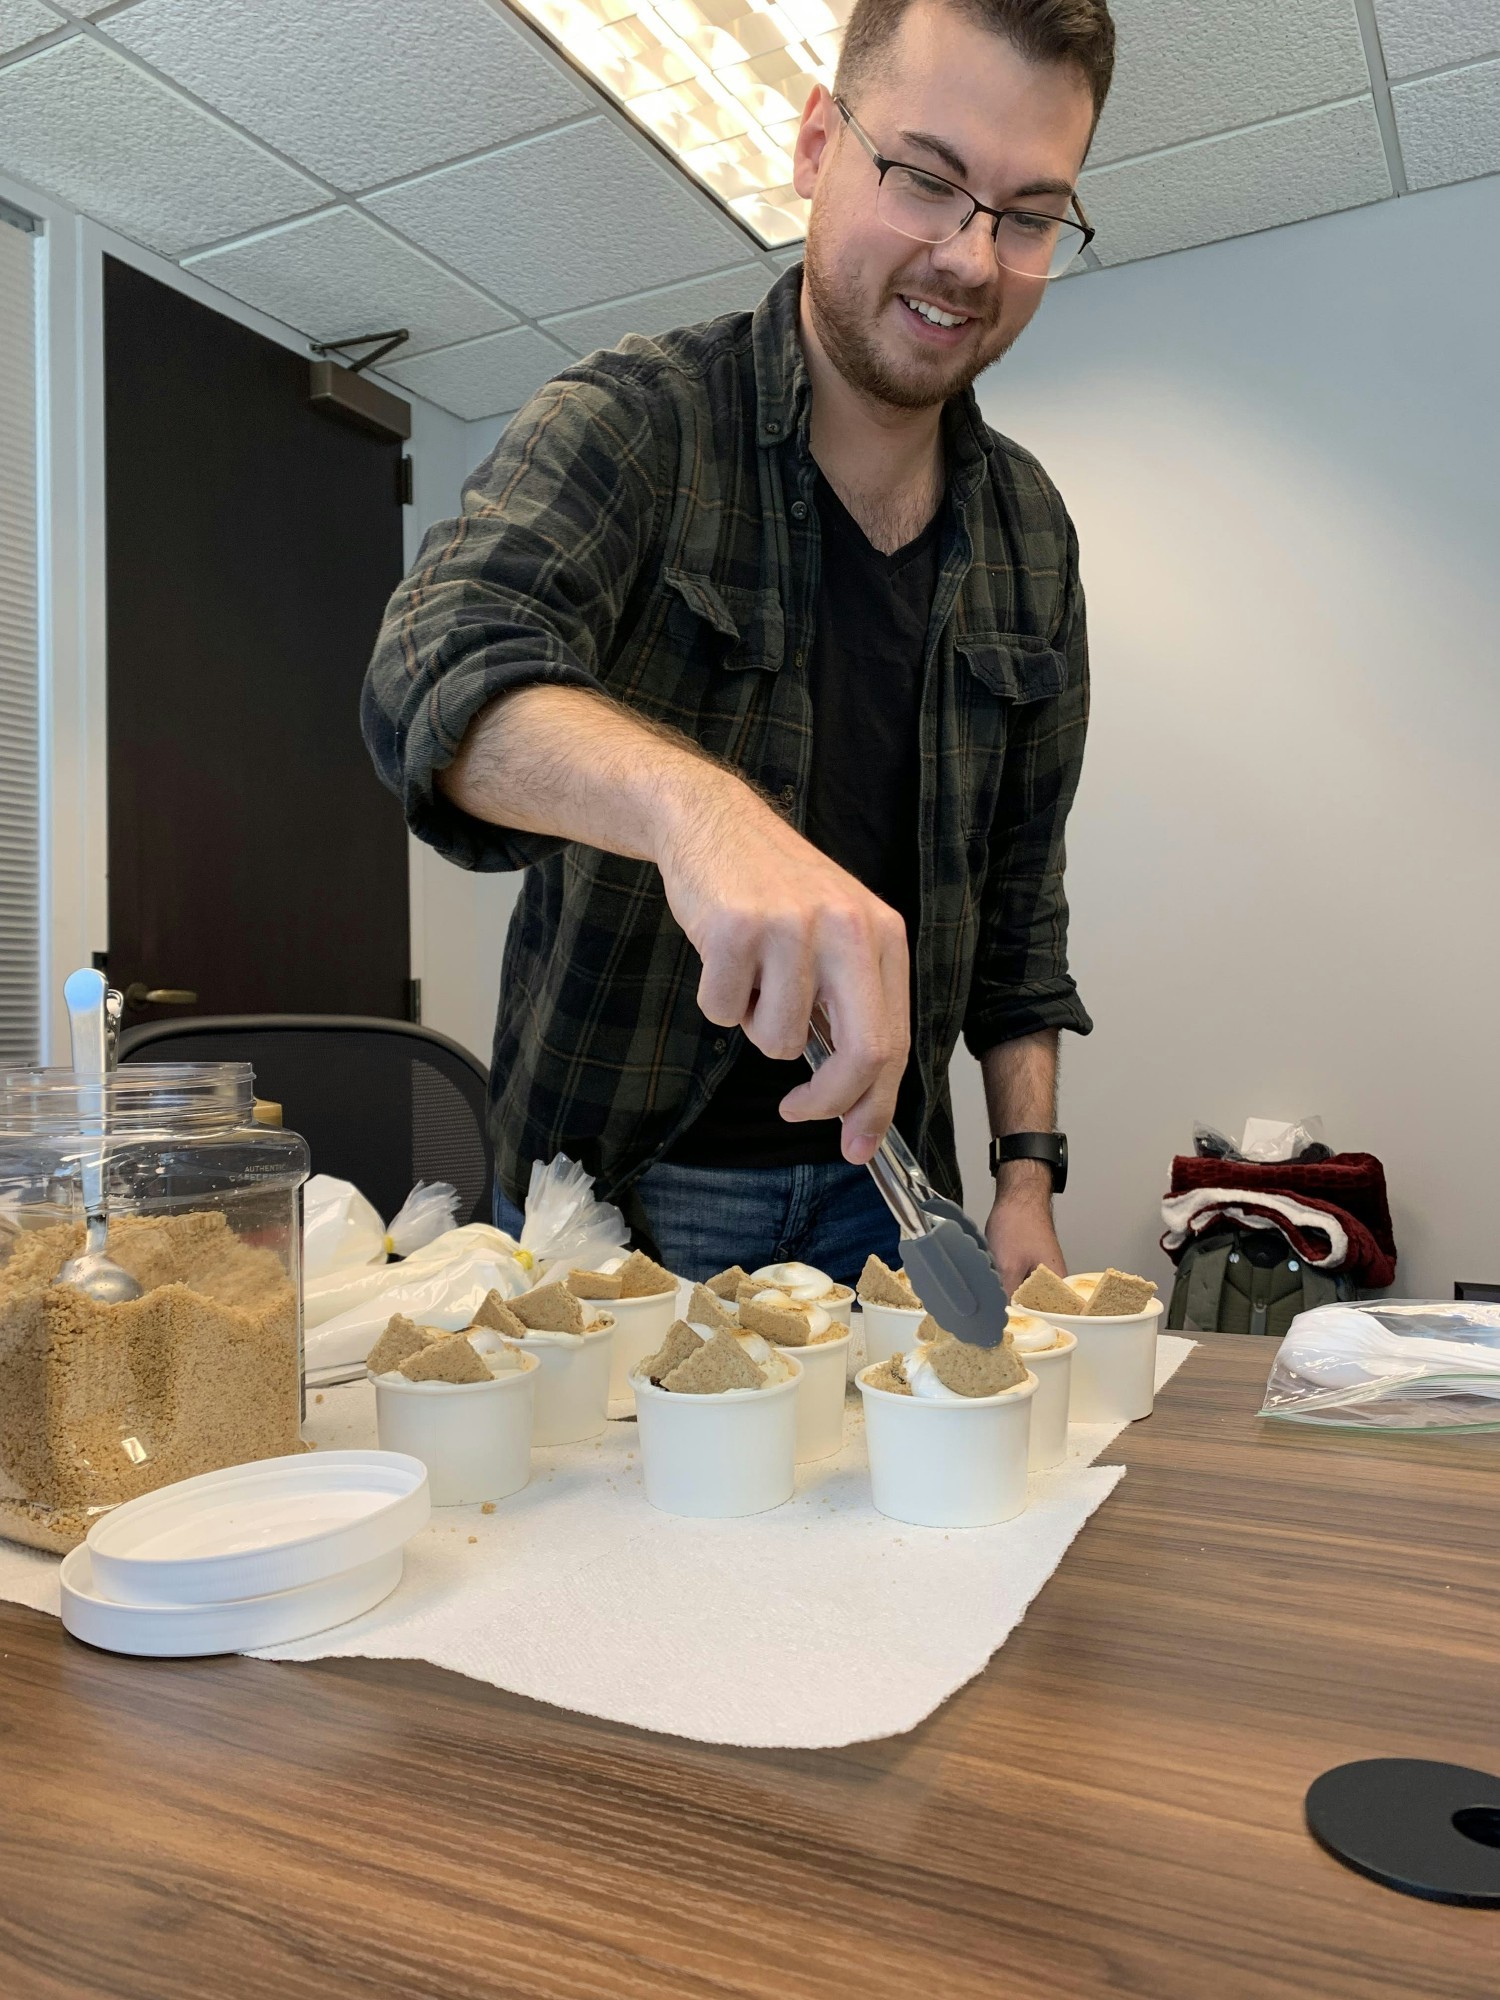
<point>945,1254</point>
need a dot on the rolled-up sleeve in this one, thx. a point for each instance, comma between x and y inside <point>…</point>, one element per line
<point>1021,982</point>
<point>526,587</point>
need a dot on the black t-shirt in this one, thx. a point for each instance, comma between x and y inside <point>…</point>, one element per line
<point>865,687</point>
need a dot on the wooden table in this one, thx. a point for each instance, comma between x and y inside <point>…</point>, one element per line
<point>1113,1807</point>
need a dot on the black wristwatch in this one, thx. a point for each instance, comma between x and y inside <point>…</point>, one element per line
<point>1049,1146</point>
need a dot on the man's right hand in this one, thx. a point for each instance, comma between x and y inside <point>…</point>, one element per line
<point>781,930</point>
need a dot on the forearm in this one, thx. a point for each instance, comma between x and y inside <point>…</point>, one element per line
<point>1020,1089</point>
<point>575,766</point>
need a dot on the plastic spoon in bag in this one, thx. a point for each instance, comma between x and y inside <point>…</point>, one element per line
<point>944,1252</point>
<point>91,1272</point>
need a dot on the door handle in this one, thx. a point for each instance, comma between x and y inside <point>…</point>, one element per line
<point>138,994</point>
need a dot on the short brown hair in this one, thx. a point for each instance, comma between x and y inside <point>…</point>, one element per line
<point>1079,32</point>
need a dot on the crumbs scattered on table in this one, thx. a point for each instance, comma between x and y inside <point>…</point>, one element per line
<point>319,1397</point>
<point>488,1507</point>
<point>473,1538</point>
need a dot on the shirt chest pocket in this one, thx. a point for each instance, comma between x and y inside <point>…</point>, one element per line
<point>723,624</point>
<point>1000,675</point>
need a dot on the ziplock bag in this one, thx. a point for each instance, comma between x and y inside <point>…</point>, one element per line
<point>1390,1365</point>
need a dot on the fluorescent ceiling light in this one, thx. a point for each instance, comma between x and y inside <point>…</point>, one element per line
<point>721,83</point>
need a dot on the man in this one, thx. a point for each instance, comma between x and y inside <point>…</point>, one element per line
<point>765,658</point>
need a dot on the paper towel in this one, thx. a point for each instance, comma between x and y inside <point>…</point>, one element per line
<point>818,1624</point>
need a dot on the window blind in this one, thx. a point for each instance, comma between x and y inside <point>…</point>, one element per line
<point>20,799</point>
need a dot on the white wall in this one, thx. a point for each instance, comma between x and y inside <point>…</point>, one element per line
<point>1282,455</point>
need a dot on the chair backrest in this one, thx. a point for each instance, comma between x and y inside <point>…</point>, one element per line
<point>381,1103</point>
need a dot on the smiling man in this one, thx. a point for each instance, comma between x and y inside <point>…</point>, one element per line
<point>765,658</point>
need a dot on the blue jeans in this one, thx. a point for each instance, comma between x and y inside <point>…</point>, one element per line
<point>706,1218</point>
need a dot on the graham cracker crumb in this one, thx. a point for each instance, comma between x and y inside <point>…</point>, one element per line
<point>681,1341</point>
<point>891,1376</point>
<point>495,1313</point>
<point>1118,1293</point>
<point>549,1309</point>
<point>718,1364</point>
<point>727,1284</point>
<point>488,1507</point>
<point>879,1285</point>
<point>595,1284</point>
<point>1045,1292</point>
<point>319,1397</point>
<point>705,1308</point>
<point>101,1403</point>
<point>450,1360</point>
<point>473,1539</point>
<point>401,1338</point>
<point>976,1371</point>
<point>786,1325</point>
<point>641,1277</point>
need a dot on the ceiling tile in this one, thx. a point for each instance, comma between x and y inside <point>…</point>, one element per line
<point>91,128</point>
<point>483,376</point>
<point>1449,125</point>
<point>657,312</point>
<point>1418,35</point>
<point>340,273</point>
<point>23,21</point>
<point>784,259</point>
<point>566,220</point>
<point>1300,167</point>
<point>1187,68</point>
<point>356,90</point>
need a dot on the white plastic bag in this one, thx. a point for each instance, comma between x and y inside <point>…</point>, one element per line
<point>339,1227</point>
<point>1390,1365</point>
<point>426,1213</point>
<point>564,1223</point>
<point>446,1295</point>
<point>325,1298</point>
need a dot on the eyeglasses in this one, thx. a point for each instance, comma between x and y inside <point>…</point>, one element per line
<point>930,209</point>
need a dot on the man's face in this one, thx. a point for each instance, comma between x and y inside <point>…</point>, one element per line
<point>1012,132</point>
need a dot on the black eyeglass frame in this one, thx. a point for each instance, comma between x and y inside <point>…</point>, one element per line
<point>1082,226</point>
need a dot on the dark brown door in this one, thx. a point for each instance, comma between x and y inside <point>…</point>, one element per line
<point>254,858</point>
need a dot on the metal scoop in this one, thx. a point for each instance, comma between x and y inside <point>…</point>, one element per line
<point>945,1254</point>
<point>92,1272</point>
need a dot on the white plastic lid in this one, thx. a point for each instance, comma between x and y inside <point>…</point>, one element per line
<point>188,1631</point>
<point>272,1525</point>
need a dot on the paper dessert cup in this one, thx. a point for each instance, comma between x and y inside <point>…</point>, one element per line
<point>718,1456</point>
<point>1053,1369</point>
<point>640,1328</point>
<point>1114,1367</point>
<point>959,1464</point>
<point>572,1385</point>
<point>839,1305</point>
<point>889,1330</point>
<point>473,1437</point>
<point>820,1396</point>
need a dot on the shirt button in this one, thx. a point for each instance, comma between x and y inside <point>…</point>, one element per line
<point>799,658</point>
<point>789,795</point>
<point>799,510</point>
<point>772,427</point>
<point>720,1045</point>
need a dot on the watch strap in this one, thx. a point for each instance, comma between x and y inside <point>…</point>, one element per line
<point>1049,1147</point>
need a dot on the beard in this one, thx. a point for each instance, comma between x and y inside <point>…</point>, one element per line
<point>852,344</point>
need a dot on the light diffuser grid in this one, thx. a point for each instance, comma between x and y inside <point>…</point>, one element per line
<point>721,83</point>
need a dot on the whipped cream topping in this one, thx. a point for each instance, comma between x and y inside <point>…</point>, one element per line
<point>1030,1334</point>
<point>803,1284</point>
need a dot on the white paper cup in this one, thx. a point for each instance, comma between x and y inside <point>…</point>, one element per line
<point>890,1330</point>
<point>572,1388</point>
<point>820,1397</point>
<point>1053,1369</point>
<point>717,1456</point>
<point>839,1305</point>
<point>1114,1368</point>
<point>959,1464</point>
<point>640,1328</point>
<point>473,1437</point>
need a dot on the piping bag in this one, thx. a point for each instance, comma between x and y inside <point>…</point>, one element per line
<point>944,1252</point>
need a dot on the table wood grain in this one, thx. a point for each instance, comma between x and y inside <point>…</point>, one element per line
<point>1113,1808</point>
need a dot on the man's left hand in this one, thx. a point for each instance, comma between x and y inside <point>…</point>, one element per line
<point>1020,1230</point>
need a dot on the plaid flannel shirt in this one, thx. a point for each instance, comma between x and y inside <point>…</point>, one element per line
<point>647,526</point>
